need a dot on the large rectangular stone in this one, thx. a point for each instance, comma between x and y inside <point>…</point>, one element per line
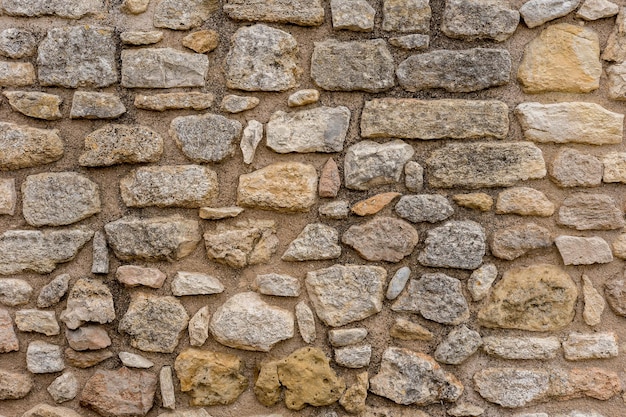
<point>434,119</point>
<point>299,12</point>
<point>163,68</point>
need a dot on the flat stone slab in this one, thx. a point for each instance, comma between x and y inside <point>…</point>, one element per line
<point>174,101</point>
<point>369,164</point>
<point>183,14</point>
<point>471,20</point>
<point>577,250</point>
<point>582,211</point>
<point>382,239</point>
<point>90,105</point>
<point>538,12</point>
<point>298,12</point>
<point>163,68</point>
<point>571,168</point>
<point>406,16</point>
<point>69,9</point>
<point>522,348</point>
<point>584,346</point>
<point>356,15</point>
<point>517,240</point>
<point>26,147</point>
<point>34,104</point>
<point>207,137</point>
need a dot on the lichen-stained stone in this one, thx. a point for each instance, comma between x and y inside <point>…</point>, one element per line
<point>90,105</point>
<point>535,298</point>
<point>14,386</point>
<point>154,324</point>
<point>322,129</point>
<point>460,71</point>
<point>577,250</point>
<point>382,239</point>
<point>406,15</point>
<point>8,339</point>
<point>308,379</point>
<point>485,164</point>
<point>583,211</point>
<point>152,239</point>
<point>245,243</point>
<point>279,285</point>
<point>34,104</point>
<point>436,297</point>
<point>415,42</point>
<point>480,281</point>
<point>262,58</point>
<point>118,144</point>
<point>344,294</point>
<point>133,276</point>
<point>572,168</point>
<point>206,138</point>
<point>174,101</point>
<point>356,15</point>
<point>45,410</point>
<point>72,9</point>
<point>368,164</point>
<point>512,387</point>
<point>190,186</point>
<point>44,358</point>
<point>37,251</point>
<point>38,321</point>
<point>483,19</point>
<point>17,74</point>
<point>434,119</point>
<point>430,208</point>
<point>135,6</point>
<point>298,12</point>
<point>581,346</point>
<point>119,393</point>
<point>141,38</point>
<point>524,201</point>
<point>25,147</point>
<point>594,303</point>
<point>474,201</point>
<point>163,68</point>
<point>408,377</point>
<point>353,66</point>
<point>615,49</point>
<point>458,346</point>
<point>8,197</point>
<point>306,322</point>
<point>232,103</point>
<point>597,9</point>
<point>282,186</point>
<point>538,12</point>
<point>456,244</point>
<point>78,56</point>
<point>374,204</point>
<point>524,348</point>
<point>517,240</point>
<point>183,14</point>
<point>614,164</point>
<point>202,41</point>
<point>17,43</point>
<point>195,283</point>
<point>316,242</point>
<point>14,292</point>
<point>563,58</point>
<point>89,301</point>
<point>60,198</point>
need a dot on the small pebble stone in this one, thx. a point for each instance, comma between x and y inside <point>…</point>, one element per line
<point>353,356</point>
<point>64,388</point>
<point>415,42</point>
<point>236,104</point>
<point>202,41</point>
<point>303,97</point>
<point>133,360</point>
<point>475,201</point>
<point>398,282</point>
<point>346,337</point>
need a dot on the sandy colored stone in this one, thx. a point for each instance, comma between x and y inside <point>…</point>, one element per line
<point>183,14</point>
<point>45,410</point>
<point>246,243</point>
<point>72,9</point>
<point>232,103</point>
<point>138,38</point>
<point>615,49</point>
<point>480,281</point>
<point>374,204</point>
<point>133,360</point>
<point>90,105</point>
<point>298,12</point>
<point>174,101</point>
<point>317,241</point>
<point>585,346</point>
<point>25,147</point>
<point>415,42</point>
<point>267,386</point>
<point>168,397</point>
<point>512,387</point>
<point>218,213</point>
<point>353,399</point>
<point>597,9</point>
<point>483,19</point>
<point>17,74</point>
<point>563,58</point>
<point>195,283</point>
<point>524,201</point>
<point>85,360</point>
<point>17,43</point>
<point>303,97</point>
<point>133,276</point>
<point>89,300</point>
<point>8,197</point>
<point>475,201</point>
<point>163,68</point>
<point>538,12</point>
<point>583,211</point>
<point>37,105</point>
<point>368,164</point>
<point>88,337</point>
<point>405,329</point>
<point>63,388</point>
<point>44,358</point>
<point>206,138</point>
<point>38,321</point>
<point>14,292</point>
<point>456,244</point>
<point>518,240</point>
<point>617,81</point>
<point>577,250</point>
<point>382,239</point>
<point>306,322</point>
<point>14,386</point>
<point>535,298</point>
<point>594,303</point>
<point>8,338</point>
<point>135,6</point>
<point>199,327</point>
<point>100,259</point>
<point>522,348</point>
<point>356,15</point>
<point>202,41</point>
<point>212,378</point>
<point>53,291</point>
<point>406,16</point>
<point>614,164</point>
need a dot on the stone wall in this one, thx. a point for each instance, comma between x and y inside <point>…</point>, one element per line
<point>386,208</point>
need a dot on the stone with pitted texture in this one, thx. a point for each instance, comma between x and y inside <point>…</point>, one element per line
<point>524,348</point>
<point>369,164</point>
<point>183,14</point>
<point>14,386</point>
<point>356,15</point>
<point>382,239</point>
<point>456,244</point>
<point>14,292</point>
<point>483,19</point>
<point>163,68</point>
<point>17,43</point>
<point>89,300</point>
<point>25,147</point>
<point>353,357</point>
<point>52,292</point>
<point>458,346</point>
<point>430,208</point>
<point>298,12</point>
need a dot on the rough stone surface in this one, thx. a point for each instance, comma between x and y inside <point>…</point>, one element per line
<point>369,164</point>
<point>406,15</point>
<point>316,242</point>
<point>298,12</point>
<point>72,9</point>
<point>617,81</point>
<point>88,338</point>
<point>577,250</point>
<point>100,261</point>
<point>195,283</point>
<point>347,337</point>
<point>202,41</point>
<point>219,213</point>
<point>356,15</point>
<point>37,105</point>
<point>597,9</point>
<point>141,38</point>
<point>306,322</point>
<point>538,12</point>
<point>89,300</point>
<point>277,285</point>
<point>14,292</point>
<point>580,346</point>
<point>63,388</point>
<point>615,293</point>
<point>133,360</point>
<point>17,43</point>
<point>252,136</point>
<point>474,201</point>
<point>245,243</point>
<point>430,208</point>
<point>17,74</point>
<point>591,212</point>
<point>163,68</point>
<point>456,244</point>
<point>89,105</point>
<point>45,410</point>
<point>237,104</point>
<point>535,298</point>
<point>85,360</point>
<point>382,239</point>
<point>37,321</point>
<point>353,399</point>
<point>594,303</point>
<point>52,292</point>
<point>199,327</point>
<point>615,49</point>
<point>133,276</point>
<point>303,97</point>
<point>336,210</point>
<point>330,181</point>
<point>405,329</point>
<point>207,138</point>
<point>524,201</point>
<point>8,197</point>
<point>25,147</point>
<point>168,397</point>
<point>44,358</point>
<point>183,15</point>
<point>135,6</point>
<point>415,42</point>
<point>483,19</point>
<point>614,164</point>
<point>515,241</point>
<point>480,281</point>
<point>8,338</point>
<point>524,348</point>
<point>353,357</point>
<point>14,386</point>
<point>374,204</point>
<point>458,346</point>
<point>174,101</point>
<point>512,387</point>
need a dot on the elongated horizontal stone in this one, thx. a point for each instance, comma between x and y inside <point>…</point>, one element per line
<point>34,104</point>
<point>16,74</point>
<point>25,147</point>
<point>574,122</point>
<point>298,12</point>
<point>195,283</point>
<point>486,164</point>
<point>577,250</point>
<point>90,105</point>
<point>141,38</point>
<point>581,346</point>
<point>182,14</point>
<point>455,71</point>
<point>434,119</point>
<point>163,68</point>
<point>582,211</point>
<point>175,101</point>
<point>479,19</point>
<point>538,12</point>
<point>70,9</point>
<point>525,348</point>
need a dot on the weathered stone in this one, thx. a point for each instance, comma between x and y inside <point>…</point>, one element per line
<point>17,74</point>
<point>413,176</point>
<point>597,9</point>
<point>17,43</point>
<point>512,387</point>
<point>73,9</point>
<point>183,14</point>
<point>168,397</point>
<point>119,393</point>
<point>525,348</point>
<point>132,360</point>
<point>88,338</point>
<point>515,241</point>
<point>303,97</point>
<point>485,164</point>
<point>374,204</point>
<point>152,239</point>
<point>85,360</point>
<point>8,197</point>
<point>199,327</point>
<point>563,58</point>
<point>408,377</point>
<point>524,201</point>
<point>37,321</point>
<point>353,66</point>
<point>353,357</point>
<point>14,292</point>
<point>617,81</point>
<point>382,239</point>
<point>90,105</point>
<point>436,297</point>
<point>298,12</point>
<point>174,101</point>
<point>330,181</point>
<point>322,129</point>
<point>415,42</point>
<point>100,260</point>
<point>78,56</point>
<point>458,346</point>
<point>344,294</point>
<point>577,250</point>
<point>538,12</point>
<point>236,104</point>
<point>154,324</point>
<point>45,410</point>
<point>141,38</point>
<point>591,212</point>
<point>474,201</point>
<point>40,252</point>
<point>464,409</point>
<point>335,210</point>
<point>202,41</point>
<point>594,303</point>
<point>245,243</point>
<point>356,15</point>
<point>25,147</point>
<point>309,379</point>
<point>89,300</point>
<point>430,208</point>
<point>8,339</point>
<point>346,337</point>
<point>615,49</point>
<point>14,386</point>
<point>195,283</point>
<point>353,400</point>
<point>434,119</point>
<point>133,276</point>
<point>455,71</point>
<point>135,6</point>
<point>60,198</point>
<point>398,282</point>
<point>219,213</point>
<point>536,298</point>
<point>456,244</point>
<point>406,15</point>
<point>483,19</point>
<point>579,346</point>
<point>119,144</point>
<point>206,138</point>
<point>52,292</point>
<point>306,322</point>
<point>316,242</point>
<point>267,385</point>
<point>63,388</point>
<point>262,58</point>
<point>614,167</point>
<point>405,329</point>
<point>277,284</point>
<point>33,104</point>
<point>369,164</point>
<point>597,383</point>
<point>163,68</point>
<point>480,282</point>
<point>213,378</point>
<point>252,136</point>
<point>44,358</point>
<point>615,292</point>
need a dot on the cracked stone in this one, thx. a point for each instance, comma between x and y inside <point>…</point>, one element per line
<point>245,243</point>
<point>89,300</point>
<point>163,68</point>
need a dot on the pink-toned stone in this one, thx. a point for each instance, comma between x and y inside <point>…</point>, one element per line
<point>330,181</point>
<point>8,339</point>
<point>86,359</point>
<point>374,204</point>
<point>88,338</point>
<point>133,276</point>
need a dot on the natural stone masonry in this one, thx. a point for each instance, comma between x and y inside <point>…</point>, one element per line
<point>87,105</point>
<point>206,138</point>
<point>483,19</point>
<point>406,15</point>
<point>163,68</point>
<point>616,44</point>
<point>26,147</point>
<point>538,12</point>
<point>68,9</point>
<point>16,74</point>
<point>369,164</point>
<point>183,15</point>
<point>457,244</point>
<point>246,243</point>
<point>382,239</point>
<point>37,105</point>
<point>299,12</point>
<point>17,43</point>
